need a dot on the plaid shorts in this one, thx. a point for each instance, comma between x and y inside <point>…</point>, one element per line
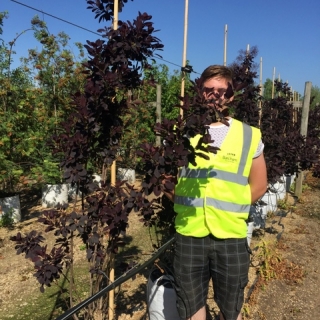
<point>197,260</point>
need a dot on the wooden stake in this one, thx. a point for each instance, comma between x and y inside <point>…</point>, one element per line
<point>247,53</point>
<point>113,182</point>
<point>272,92</point>
<point>158,112</point>
<point>225,45</point>
<point>303,131</point>
<point>261,91</point>
<point>184,54</point>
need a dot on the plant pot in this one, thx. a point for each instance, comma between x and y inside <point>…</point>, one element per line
<point>12,204</point>
<point>161,297</point>
<point>72,191</point>
<point>54,195</point>
<point>279,188</point>
<point>127,174</point>
<point>97,178</point>
<point>270,199</point>
<point>250,229</point>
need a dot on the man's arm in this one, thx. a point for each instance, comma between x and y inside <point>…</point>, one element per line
<point>258,178</point>
<point>169,195</point>
<point>169,186</point>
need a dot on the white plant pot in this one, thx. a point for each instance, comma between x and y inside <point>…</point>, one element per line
<point>264,212</point>
<point>72,191</point>
<point>11,203</point>
<point>270,199</point>
<point>161,298</point>
<point>127,174</point>
<point>54,195</point>
<point>97,178</point>
<point>279,188</point>
<point>249,232</point>
<point>282,191</point>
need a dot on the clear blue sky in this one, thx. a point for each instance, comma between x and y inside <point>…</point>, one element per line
<point>286,32</point>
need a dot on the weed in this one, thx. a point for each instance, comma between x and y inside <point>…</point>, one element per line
<point>246,311</point>
<point>295,311</point>
<point>282,204</point>
<point>305,187</point>
<point>272,266</point>
<point>269,258</point>
<point>293,208</point>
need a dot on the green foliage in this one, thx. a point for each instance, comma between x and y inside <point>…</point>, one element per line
<point>267,89</point>
<point>6,219</point>
<point>141,119</point>
<point>49,172</point>
<point>3,15</point>
<point>282,204</point>
<point>170,89</point>
<point>315,97</point>
<point>30,112</point>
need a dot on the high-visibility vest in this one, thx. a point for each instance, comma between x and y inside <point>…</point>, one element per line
<point>214,197</point>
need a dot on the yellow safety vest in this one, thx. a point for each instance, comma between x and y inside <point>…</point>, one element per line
<point>214,197</point>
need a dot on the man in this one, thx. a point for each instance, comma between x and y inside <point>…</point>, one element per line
<point>212,202</point>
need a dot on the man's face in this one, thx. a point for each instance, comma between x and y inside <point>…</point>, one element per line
<point>214,89</point>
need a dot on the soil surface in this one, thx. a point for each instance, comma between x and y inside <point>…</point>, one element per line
<point>284,275</point>
<point>294,293</point>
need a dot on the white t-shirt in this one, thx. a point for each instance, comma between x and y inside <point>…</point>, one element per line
<point>219,132</point>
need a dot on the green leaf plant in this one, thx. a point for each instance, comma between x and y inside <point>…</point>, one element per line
<point>35,98</point>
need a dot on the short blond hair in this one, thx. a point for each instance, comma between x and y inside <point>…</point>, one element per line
<point>214,71</point>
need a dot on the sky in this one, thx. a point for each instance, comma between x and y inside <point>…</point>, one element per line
<point>286,32</point>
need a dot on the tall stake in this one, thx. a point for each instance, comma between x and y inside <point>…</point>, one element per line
<point>261,91</point>
<point>247,53</point>
<point>303,131</point>
<point>184,54</point>
<point>113,182</point>
<point>272,89</point>
<point>225,45</point>
<point>158,112</point>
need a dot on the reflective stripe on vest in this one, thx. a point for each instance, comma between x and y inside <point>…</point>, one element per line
<point>219,204</point>
<point>213,173</point>
<point>247,132</point>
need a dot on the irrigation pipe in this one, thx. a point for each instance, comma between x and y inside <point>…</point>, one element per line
<point>114,284</point>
